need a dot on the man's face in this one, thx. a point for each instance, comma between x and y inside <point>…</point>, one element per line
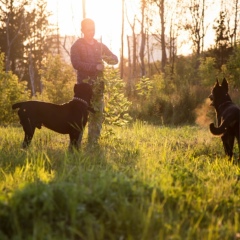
<point>89,31</point>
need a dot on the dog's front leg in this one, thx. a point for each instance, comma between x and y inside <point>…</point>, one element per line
<point>79,141</point>
<point>75,140</point>
<point>27,140</point>
<point>238,139</point>
<point>29,132</point>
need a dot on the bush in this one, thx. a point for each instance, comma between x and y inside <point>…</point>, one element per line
<point>161,103</point>
<point>233,68</point>
<point>58,80</point>
<point>208,71</point>
<point>116,104</point>
<point>11,91</point>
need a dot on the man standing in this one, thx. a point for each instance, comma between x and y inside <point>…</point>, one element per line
<point>87,56</point>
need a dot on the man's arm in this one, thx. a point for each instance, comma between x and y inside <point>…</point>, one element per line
<point>108,56</point>
<point>76,60</point>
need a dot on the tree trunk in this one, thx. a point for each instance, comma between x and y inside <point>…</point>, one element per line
<point>235,23</point>
<point>31,73</point>
<point>122,43</point>
<point>143,41</point>
<point>163,42</point>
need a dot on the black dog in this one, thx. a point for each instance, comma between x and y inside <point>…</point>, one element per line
<point>228,117</point>
<point>68,118</point>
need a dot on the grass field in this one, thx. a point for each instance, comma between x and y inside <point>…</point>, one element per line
<point>144,182</point>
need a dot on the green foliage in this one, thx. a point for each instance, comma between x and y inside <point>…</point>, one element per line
<point>144,87</point>
<point>11,91</point>
<point>146,182</point>
<point>233,67</point>
<point>151,99</point>
<point>166,102</point>
<point>58,80</point>
<point>26,36</point>
<point>116,110</point>
<point>222,31</point>
<point>183,71</point>
<point>207,71</point>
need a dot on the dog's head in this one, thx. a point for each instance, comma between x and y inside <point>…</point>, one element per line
<point>219,94</point>
<point>83,91</point>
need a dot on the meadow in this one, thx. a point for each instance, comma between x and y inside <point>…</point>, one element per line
<point>143,182</point>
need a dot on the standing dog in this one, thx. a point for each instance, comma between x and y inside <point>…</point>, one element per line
<point>228,117</point>
<point>68,118</point>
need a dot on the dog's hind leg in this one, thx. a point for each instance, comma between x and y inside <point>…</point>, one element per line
<point>29,130</point>
<point>75,140</point>
<point>228,142</point>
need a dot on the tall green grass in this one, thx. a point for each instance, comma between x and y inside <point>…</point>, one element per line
<point>144,182</point>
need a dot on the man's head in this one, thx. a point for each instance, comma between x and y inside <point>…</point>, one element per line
<point>88,28</point>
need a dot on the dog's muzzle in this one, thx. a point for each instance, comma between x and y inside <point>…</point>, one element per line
<point>211,98</point>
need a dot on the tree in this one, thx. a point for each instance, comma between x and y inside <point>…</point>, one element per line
<point>122,42</point>
<point>132,48</point>
<point>231,8</point>
<point>37,44</point>
<point>223,46</point>
<point>197,26</point>
<point>222,39</point>
<point>233,67</point>
<point>24,38</point>
<point>235,22</point>
<point>143,38</point>
<point>11,91</point>
<point>11,31</point>
<point>161,11</point>
<point>58,79</point>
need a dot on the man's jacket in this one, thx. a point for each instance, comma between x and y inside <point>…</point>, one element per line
<point>85,57</point>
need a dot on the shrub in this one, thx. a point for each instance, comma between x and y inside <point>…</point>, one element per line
<point>116,109</point>
<point>159,102</point>
<point>233,67</point>
<point>58,80</point>
<point>207,71</point>
<point>11,91</point>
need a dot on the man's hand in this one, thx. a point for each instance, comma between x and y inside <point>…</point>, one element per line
<point>100,67</point>
<point>110,59</point>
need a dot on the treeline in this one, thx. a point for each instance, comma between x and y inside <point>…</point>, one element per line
<point>26,37</point>
<point>173,97</point>
<point>167,26</point>
<point>173,88</point>
<point>158,92</point>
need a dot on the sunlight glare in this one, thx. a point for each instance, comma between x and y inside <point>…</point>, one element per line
<point>107,15</point>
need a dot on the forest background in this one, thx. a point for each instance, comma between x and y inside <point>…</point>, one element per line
<point>160,177</point>
<point>171,90</point>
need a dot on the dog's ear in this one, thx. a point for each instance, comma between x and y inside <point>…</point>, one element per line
<point>74,89</point>
<point>225,84</point>
<point>217,83</point>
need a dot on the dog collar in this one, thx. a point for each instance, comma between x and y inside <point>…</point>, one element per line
<point>80,100</point>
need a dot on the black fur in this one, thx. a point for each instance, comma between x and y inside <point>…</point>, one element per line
<point>68,118</point>
<point>228,117</point>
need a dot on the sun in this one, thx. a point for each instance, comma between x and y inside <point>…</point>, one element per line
<point>107,15</point>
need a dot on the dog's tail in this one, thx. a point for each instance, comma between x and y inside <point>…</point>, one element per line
<point>16,105</point>
<point>217,130</point>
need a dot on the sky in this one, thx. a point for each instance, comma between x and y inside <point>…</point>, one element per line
<point>105,13</point>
